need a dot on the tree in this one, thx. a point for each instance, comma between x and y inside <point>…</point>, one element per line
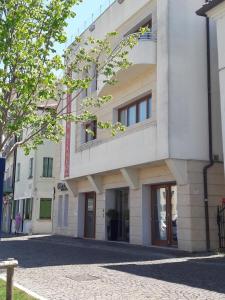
<point>29,31</point>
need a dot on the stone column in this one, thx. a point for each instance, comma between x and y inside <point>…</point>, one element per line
<point>135,205</point>
<point>100,216</point>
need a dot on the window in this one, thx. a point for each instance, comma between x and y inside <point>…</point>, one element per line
<point>15,208</point>
<point>94,75</point>
<point>45,208</point>
<point>28,208</point>
<point>63,210</point>
<point>90,131</point>
<point>47,166</point>
<point>60,207</point>
<point>66,210</point>
<point>136,112</point>
<point>31,163</point>
<point>18,172</point>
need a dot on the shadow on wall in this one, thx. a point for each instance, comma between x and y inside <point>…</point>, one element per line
<point>207,274</point>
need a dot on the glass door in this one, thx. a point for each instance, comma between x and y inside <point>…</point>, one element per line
<point>122,208</point>
<point>90,215</point>
<point>164,215</point>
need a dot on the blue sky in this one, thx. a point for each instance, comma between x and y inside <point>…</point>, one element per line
<point>87,11</point>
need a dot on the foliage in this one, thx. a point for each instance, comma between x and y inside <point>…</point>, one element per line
<point>18,294</point>
<point>32,98</point>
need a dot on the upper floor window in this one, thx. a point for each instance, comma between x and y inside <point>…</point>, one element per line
<point>136,112</point>
<point>94,75</point>
<point>47,166</point>
<point>18,172</point>
<point>90,131</point>
<point>31,164</point>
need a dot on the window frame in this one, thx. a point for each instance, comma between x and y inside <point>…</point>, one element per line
<point>31,168</point>
<point>28,208</point>
<point>94,129</point>
<point>18,169</point>
<point>136,103</point>
<point>46,173</point>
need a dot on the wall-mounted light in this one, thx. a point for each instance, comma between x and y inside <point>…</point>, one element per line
<point>120,1</point>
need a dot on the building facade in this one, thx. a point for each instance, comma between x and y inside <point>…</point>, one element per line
<point>146,186</point>
<point>35,179</point>
<point>215,10</point>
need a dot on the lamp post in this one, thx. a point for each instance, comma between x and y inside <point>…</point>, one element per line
<point>2,172</point>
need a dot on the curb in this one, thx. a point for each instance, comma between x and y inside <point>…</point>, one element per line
<point>22,288</point>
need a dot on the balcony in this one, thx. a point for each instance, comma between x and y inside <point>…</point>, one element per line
<point>143,57</point>
<point>136,146</point>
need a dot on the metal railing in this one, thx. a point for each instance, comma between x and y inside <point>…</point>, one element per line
<point>9,264</point>
<point>148,36</point>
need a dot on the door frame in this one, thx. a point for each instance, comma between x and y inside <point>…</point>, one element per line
<point>85,214</point>
<point>169,241</point>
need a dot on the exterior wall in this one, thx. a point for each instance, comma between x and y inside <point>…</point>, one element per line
<point>172,146</point>
<point>191,211</point>
<point>218,15</point>
<point>68,228</point>
<point>37,187</point>
<point>187,82</point>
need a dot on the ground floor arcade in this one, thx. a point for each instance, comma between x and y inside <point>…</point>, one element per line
<point>157,204</point>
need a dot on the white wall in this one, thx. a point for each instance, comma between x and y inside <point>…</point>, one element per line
<point>188,126</point>
<point>37,187</point>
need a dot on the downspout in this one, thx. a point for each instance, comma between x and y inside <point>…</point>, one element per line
<point>211,161</point>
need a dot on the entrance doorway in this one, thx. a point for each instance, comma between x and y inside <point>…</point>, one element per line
<point>164,215</point>
<point>117,212</point>
<point>90,215</point>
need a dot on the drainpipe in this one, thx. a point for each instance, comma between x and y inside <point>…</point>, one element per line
<point>211,161</point>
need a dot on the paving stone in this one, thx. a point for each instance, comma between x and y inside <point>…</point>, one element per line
<point>73,269</point>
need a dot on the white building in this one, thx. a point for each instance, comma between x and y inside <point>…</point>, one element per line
<point>35,180</point>
<point>215,10</point>
<point>146,186</point>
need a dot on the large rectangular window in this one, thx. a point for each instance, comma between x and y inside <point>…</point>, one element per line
<point>66,210</point>
<point>31,163</point>
<point>60,208</point>
<point>136,112</point>
<point>28,209</point>
<point>90,131</point>
<point>45,208</point>
<point>16,205</point>
<point>47,166</point>
<point>18,172</point>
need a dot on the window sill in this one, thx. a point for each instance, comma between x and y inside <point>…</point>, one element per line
<point>44,220</point>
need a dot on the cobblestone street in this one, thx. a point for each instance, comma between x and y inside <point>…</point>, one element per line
<point>65,268</point>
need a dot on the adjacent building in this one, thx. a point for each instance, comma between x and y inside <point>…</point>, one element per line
<point>215,10</point>
<point>35,179</point>
<point>147,186</point>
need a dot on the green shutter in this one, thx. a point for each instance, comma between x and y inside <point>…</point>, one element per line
<point>45,208</point>
<point>50,167</point>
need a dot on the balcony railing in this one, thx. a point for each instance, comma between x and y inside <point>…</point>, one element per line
<point>149,36</point>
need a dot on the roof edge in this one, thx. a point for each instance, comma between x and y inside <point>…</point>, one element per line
<point>208,6</point>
